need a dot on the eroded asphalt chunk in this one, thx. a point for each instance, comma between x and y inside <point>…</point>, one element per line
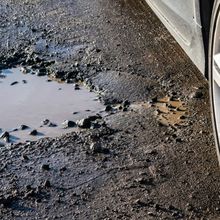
<point>124,165</point>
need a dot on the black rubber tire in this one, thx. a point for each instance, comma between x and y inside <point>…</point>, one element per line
<point>215,13</point>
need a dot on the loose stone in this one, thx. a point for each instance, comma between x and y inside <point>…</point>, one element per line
<point>47,183</point>
<point>41,72</point>
<point>96,147</point>
<point>51,124</point>
<point>14,83</point>
<point>33,132</point>
<point>126,103</point>
<point>25,157</point>
<point>197,94</point>
<point>5,135</point>
<point>68,124</point>
<point>45,167</point>
<point>108,108</point>
<point>76,86</point>
<point>86,122</point>
<point>45,121</point>
<point>24,127</point>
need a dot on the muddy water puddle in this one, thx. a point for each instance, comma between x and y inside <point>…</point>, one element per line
<point>27,99</point>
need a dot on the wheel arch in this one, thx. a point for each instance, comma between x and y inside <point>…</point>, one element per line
<point>206,14</point>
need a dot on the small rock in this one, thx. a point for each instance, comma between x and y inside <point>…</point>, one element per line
<point>145,181</point>
<point>33,30</point>
<point>33,132</point>
<point>120,107</point>
<point>5,135</point>
<point>24,127</point>
<point>30,193</point>
<point>182,117</point>
<point>68,124</point>
<point>76,86</point>
<point>28,187</point>
<point>14,83</point>
<point>150,213</point>
<point>179,140</point>
<point>126,103</point>
<point>139,203</point>
<point>41,72</point>
<point>47,183</point>
<point>163,123</point>
<point>24,81</point>
<point>96,147</point>
<point>152,152</point>
<point>7,140</point>
<point>171,208</point>
<point>86,122</point>
<point>63,169</point>
<point>2,144</point>
<point>108,108</point>
<point>197,94</point>
<point>45,167</point>
<point>189,207</point>
<point>174,98</point>
<point>24,70</point>
<point>45,121</point>
<point>154,99</point>
<point>39,200</point>
<point>174,135</point>
<point>171,106</point>
<point>69,81</point>
<point>97,124</point>
<point>6,201</point>
<point>181,108</point>
<point>52,125</point>
<point>157,206</point>
<point>98,50</point>
<point>25,157</point>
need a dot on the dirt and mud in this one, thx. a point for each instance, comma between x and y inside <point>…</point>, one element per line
<point>152,157</point>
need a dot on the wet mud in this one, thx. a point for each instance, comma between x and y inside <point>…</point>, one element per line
<point>149,157</point>
<point>171,111</point>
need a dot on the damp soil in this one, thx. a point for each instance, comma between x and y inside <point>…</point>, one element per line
<point>150,157</point>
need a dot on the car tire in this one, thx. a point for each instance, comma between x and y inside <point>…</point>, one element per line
<point>214,72</point>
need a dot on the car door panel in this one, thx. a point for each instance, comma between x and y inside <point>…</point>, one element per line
<point>182,19</point>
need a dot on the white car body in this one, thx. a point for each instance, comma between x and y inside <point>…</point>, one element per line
<point>182,19</point>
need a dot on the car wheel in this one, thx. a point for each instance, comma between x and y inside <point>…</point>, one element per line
<point>214,72</point>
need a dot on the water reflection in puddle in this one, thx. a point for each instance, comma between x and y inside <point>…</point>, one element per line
<point>28,99</point>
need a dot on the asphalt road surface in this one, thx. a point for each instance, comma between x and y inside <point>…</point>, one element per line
<point>153,157</point>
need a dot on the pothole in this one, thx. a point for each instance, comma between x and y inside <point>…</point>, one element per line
<point>28,100</point>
